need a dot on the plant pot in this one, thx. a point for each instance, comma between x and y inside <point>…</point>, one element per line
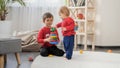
<point>5,29</point>
<point>3,17</point>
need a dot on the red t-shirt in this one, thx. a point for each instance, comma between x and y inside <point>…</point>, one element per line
<point>69,24</point>
<point>43,34</point>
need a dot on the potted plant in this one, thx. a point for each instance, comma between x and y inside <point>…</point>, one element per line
<point>4,5</point>
<point>5,26</point>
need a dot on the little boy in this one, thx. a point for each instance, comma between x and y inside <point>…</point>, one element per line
<point>44,38</point>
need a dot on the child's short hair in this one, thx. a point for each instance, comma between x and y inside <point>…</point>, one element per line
<point>64,10</point>
<point>47,15</point>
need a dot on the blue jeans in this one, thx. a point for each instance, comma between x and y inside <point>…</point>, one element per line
<point>68,42</point>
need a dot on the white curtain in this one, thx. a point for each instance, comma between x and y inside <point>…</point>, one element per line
<point>29,18</point>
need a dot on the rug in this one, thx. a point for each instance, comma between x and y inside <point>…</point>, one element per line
<point>88,59</point>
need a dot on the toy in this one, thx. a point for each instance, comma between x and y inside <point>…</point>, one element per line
<point>109,51</point>
<point>53,36</point>
<point>30,59</point>
<point>81,51</point>
<point>76,26</point>
<point>52,29</point>
<point>80,16</point>
<point>50,55</point>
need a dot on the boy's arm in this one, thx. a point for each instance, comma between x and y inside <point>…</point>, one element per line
<point>59,25</point>
<point>40,37</point>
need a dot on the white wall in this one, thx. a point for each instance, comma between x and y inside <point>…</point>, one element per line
<point>108,23</point>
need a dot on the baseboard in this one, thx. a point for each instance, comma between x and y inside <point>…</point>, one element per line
<point>102,46</point>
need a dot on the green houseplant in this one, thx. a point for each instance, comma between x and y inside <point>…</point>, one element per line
<point>6,25</point>
<point>4,5</point>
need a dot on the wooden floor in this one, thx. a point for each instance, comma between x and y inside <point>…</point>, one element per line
<point>12,63</point>
<point>11,60</point>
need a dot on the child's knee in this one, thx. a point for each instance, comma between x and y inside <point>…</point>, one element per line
<point>60,53</point>
<point>44,52</point>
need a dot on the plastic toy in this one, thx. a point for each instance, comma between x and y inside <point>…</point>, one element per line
<point>53,36</point>
<point>109,51</point>
<point>80,16</point>
<point>81,51</point>
<point>52,29</point>
<point>76,26</point>
<point>50,55</point>
<point>30,59</point>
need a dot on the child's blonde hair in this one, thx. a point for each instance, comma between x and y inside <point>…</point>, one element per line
<point>64,10</point>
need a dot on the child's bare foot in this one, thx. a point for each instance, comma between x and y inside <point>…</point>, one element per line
<point>66,58</point>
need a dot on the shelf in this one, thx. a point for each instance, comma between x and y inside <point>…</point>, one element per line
<point>90,20</point>
<point>85,26</point>
<point>90,33</point>
<point>79,20</point>
<point>83,33</point>
<point>81,7</point>
<point>80,33</point>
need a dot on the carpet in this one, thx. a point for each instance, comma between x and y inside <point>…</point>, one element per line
<point>88,59</point>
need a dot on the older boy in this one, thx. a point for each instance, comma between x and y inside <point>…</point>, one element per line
<point>44,38</point>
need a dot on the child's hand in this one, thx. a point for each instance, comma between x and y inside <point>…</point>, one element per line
<point>54,27</point>
<point>64,29</point>
<point>47,39</point>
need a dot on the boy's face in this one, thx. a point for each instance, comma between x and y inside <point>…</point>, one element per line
<point>48,21</point>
